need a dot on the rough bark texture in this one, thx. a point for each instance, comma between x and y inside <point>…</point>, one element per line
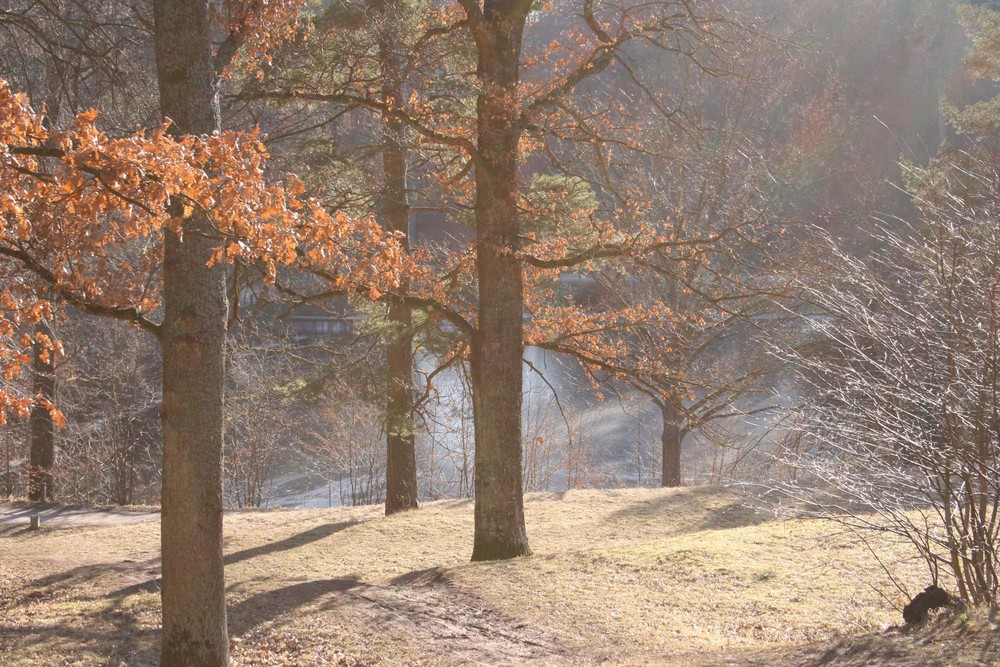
<point>498,345</point>
<point>41,426</point>
<point>671,438</point>
<point>193,343</point>
<point>401,461</point>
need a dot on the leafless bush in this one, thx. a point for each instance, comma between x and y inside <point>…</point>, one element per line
<point>446,446</point>
<point>544,436</point>
<point>903,436</point>
<point>347,449</point>
<point>109,390</point>
<point>260,415</point>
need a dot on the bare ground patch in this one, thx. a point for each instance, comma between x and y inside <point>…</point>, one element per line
<point>451,625</point>
<point>687,577</point>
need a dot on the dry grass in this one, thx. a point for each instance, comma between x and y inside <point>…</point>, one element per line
<point>636,576</point>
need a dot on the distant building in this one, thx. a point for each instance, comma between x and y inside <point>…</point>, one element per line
<point>333,318</point>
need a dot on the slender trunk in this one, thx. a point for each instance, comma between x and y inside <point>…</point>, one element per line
<point>401,457</point>
<point>7,478</point>
<point>671,438</point>
<point>41,426</point>
<point>193,343</point>
<point>498,344</point>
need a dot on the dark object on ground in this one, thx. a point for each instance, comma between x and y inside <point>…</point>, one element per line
<point>932,598</point>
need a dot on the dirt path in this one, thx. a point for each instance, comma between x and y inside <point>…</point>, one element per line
<point>73,515</point>
<point>457,625</point>
<point>436,620</point>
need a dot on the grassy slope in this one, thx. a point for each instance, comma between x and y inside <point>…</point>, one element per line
<point>631,576</point>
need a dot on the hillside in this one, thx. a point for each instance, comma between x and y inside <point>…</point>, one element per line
<point>618,577</point>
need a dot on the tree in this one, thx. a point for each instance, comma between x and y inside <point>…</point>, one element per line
<point>71,55</point>
<point>206,198</point>
<point>486,152</point>
<point>193,339</point>
<point>683,328</point>
<point>41,422</point>
<point>360,158</point>
<point>401,457</point>
<point>557,112</point>
<point>498,343</point>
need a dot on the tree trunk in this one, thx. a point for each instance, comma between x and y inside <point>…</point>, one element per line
<point>671,438</point>
<point>498,344</point>
<point>193,343</point>
<point>401,460</point>
<point>401,457</point>
<point>41,426</point>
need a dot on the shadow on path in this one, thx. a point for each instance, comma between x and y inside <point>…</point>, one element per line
<point>73,514</point>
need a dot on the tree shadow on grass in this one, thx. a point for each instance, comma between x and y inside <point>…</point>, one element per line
<point>691,502</point>
<point>81,575</point>
<point>19,512</point>
<point>114,625</point>
<point>14,530</point>
<point>297,540</point>
<point>447,503</point>
<point>269,605</point>
<point>112,631</point>
<point>126,643</point>
<point>14,511</point>
<point>431,575</point>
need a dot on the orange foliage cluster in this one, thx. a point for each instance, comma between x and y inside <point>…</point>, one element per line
<point>15,351</point>
<point>256,26</point>
<point>631,343</point>
<point>82,215</point>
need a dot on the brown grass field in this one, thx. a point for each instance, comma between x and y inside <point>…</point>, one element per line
<point>628,577</point>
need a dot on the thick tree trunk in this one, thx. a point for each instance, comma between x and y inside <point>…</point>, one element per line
<point>498,345</point>
<point>671,438</point>
<point>401,458</point>
<point>193,343</point>
<point>41,426</point>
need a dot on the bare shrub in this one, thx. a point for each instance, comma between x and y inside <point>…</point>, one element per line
<point>347,449</point>
<point>903,436</point>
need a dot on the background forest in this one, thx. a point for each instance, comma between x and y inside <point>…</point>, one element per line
<point>810,134</point>
<point>385,252</point>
